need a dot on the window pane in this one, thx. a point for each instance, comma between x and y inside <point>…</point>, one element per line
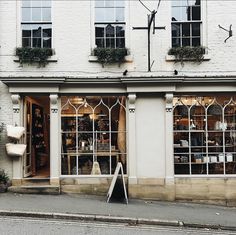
<point>196,42</point>
<point>196,13</point>
<point>176,14</point>
<point>36,3</point>
<point>37,32</point>
<point>46,14</point>
<point>26,14</point>
<point>110,31</point>
<point>179,3</point>
<point>26,33</point>
<point>99,14</point>
<point>36,42</point>
<point>120,31</point>
<point>185,30</point>
<point>109,3</point>
<point>186,42</point>
<point>47,42</point>
<point>36,14</point>
<point>99,3</point>
<point>26,3</point>
<point>100,42</point>
<point>110,42</point>
<point>197,3</point>
<point>109,15</point>
<point>120,3</point>
<point>120,17</point>
<point>99,31</point>
<point>26,42</point>
<point>175,30</point>
<point>176,42</point>
<point>46,3</point>
<point>120,43</point>
<point>47,32</point>
<point>196,29</point>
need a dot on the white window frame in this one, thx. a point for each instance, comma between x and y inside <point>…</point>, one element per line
<point>184,152</point>
<point>112,23</point>
<point>30,23</point>
<point>181,23</point>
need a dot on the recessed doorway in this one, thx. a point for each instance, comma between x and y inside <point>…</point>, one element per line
<point>37,123</point>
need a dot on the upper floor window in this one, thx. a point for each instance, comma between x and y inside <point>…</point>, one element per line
<point>186,23</point>
<point>110,23</point>
<point>36,23</point>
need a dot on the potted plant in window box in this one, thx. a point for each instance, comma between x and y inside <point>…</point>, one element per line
<point>4,181</point>
<point>181,54</point>
<point>34,55</point>
<point>110,55</point>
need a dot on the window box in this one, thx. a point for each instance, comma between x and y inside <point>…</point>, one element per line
<point>36,55</point>
<point>110,55</point>
<point>181,54</point>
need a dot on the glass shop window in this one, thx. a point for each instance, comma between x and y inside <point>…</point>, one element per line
<point>93,133</point>
<point>204,135</point>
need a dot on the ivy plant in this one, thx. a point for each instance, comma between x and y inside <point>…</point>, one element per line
<point>181,54</point>
<point>110,55</point>
<point>34,55</point>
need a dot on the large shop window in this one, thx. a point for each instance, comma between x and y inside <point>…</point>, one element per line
<point>186,23</point>
<point>93,131</point>
<point>36,23</point>
<point>110,23</point>
<point>204,135</point>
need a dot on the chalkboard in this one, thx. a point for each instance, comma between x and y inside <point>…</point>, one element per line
<point>119,168</point>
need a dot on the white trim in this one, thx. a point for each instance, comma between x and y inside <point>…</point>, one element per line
<point>128,58</point>
<point>171,58</point>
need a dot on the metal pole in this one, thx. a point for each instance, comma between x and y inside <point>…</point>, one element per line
<point>149,65</point>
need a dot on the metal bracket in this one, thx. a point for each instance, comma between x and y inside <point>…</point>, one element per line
<point>229,31</point>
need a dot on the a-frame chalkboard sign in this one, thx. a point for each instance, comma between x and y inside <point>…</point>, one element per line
<point>119,168</point>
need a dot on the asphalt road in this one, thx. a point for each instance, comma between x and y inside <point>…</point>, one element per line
<point>28,226</point>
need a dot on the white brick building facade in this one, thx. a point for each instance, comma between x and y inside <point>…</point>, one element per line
<point>72,71</point>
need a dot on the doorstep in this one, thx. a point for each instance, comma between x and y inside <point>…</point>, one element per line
<point>31,189</point>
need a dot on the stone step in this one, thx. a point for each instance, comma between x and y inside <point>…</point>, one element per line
<point>33,189</point>
<point>36,181</point>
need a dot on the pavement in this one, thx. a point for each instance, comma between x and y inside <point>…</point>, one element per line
<point>95,208</point>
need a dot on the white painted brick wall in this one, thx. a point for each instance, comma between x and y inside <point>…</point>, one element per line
<point>72,40</point>
<point>72,27</point>
<point>6,118</point>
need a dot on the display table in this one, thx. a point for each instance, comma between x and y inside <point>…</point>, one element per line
<point>81,153</point>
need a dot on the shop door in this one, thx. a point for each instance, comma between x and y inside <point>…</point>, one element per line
<point>27,162</point>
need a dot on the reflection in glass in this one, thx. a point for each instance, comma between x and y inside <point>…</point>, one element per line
<point>26,14</point>
<point>46,14</point>
<point>36,14</point>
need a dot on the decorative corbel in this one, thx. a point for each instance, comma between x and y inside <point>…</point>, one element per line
<point>132,99</point>
<point>54,103</point>
<point>169,102</point>
<point>15,103</point>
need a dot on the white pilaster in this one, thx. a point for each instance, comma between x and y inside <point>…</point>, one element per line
<point>169,139</point>
<point>54,140</point>
<point>17,161</point>
<point>132,166</point>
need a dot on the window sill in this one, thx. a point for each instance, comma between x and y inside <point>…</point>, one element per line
<point>128,58</point>
<point>171,58</point>
<point>49,60</point>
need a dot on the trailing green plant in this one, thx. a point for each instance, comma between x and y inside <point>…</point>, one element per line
<point>4,178</point>
<point>34,55</point>
<point>110,55</point>
<point>195,54</point>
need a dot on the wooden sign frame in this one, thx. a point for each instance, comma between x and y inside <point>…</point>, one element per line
<point>119,168</point>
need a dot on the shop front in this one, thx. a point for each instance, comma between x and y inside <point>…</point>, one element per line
<point>179,144</point>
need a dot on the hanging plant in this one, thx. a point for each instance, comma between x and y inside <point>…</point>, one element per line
<point>4,181</point>
<point>181,54</point>
<point>34,55</point>
<point>110,55</point>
